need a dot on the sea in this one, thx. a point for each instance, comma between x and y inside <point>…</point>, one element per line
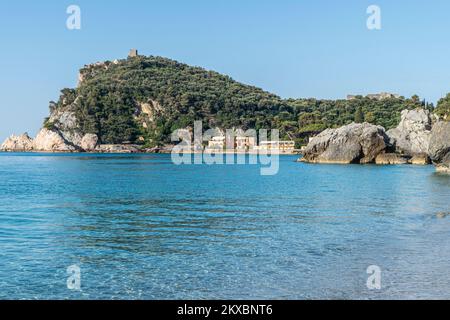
<point>97,226</point>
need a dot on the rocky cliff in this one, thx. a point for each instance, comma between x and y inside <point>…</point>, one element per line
<point>412,135</point>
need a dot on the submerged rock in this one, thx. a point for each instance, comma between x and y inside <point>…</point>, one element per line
<point>354,143</point>
<point>51,141</point>
<point>439,149</point>
<point>442,215</point>
<point>412,135</point>
<point>20,143</point>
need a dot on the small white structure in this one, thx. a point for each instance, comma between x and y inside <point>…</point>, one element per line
<point>245,143</point>
<point>217,143</point>
<point>280,146</point>
<point>376,96</point>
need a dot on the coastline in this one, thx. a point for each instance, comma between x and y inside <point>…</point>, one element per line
<point>156,152</point>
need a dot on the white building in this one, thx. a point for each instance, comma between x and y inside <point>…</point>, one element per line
<point>217,143</point>
<point>281,146</point>
<point>245,143</point>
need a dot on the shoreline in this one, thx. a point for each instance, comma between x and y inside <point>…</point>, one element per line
<point>154,152</point>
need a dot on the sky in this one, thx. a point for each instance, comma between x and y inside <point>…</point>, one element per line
<point>293,48</point>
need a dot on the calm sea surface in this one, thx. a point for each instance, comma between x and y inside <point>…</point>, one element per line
<point>140,227</point>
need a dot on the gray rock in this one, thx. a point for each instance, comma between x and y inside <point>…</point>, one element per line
<point>20,143</point>
<point>439,149</point>
<point>117,148</point>
<point>153,150</point>
<point>420,159</point>
<point>89,142</point>
<point>412,136</point>
<point>390,158</point>
<point>354,143</point>
<point>66,123</point>
<point>51,141</point>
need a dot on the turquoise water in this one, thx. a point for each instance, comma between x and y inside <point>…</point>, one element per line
<point>140,227</point>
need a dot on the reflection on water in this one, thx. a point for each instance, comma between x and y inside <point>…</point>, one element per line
<point>142,228</point>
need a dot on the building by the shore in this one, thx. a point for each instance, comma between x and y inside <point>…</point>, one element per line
<point>240,143</point>
<point>245,143</point>
<point>281,146</point>
<point>248,144</point>
<point>217,143</point>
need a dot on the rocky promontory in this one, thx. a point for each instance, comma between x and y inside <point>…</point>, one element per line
<point>137,102</point>
<point>45,141</point>
<point>52,141</point>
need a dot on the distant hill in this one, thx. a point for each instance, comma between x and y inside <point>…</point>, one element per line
<point>144,99</point>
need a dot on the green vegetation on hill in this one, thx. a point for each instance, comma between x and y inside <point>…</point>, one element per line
<point>443,107</point>
<point>317,115</point>
<point>107,103</point>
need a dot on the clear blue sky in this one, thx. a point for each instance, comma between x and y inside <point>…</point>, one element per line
<point>294,48</point>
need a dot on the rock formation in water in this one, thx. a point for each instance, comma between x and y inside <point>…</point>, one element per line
<point>414,141</point>
<point>412,135</point>
<point>354,143</point>
<point>48,140</point>
<point>420,159</point>
<point>45,141</point>
<point>396,158</point>
<point>391,158</point>
<point>22,143</point>
<point>439,149</point>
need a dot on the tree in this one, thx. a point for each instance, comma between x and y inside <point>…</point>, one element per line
<point>359,115</point>
<point>370,117</point>
<point>443,108</point>
<point>415,99</point>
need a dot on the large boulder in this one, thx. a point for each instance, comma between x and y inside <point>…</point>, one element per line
<point>439,149</point>
<point>51,141</point>
<point>412,136</point>
<point>89,142</point>
<point>354,143</point>
<point>20,143</point>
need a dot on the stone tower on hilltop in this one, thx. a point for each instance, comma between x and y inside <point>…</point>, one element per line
<point>133,53</point>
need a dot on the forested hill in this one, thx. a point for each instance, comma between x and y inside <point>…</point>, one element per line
<point>144,99</point>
